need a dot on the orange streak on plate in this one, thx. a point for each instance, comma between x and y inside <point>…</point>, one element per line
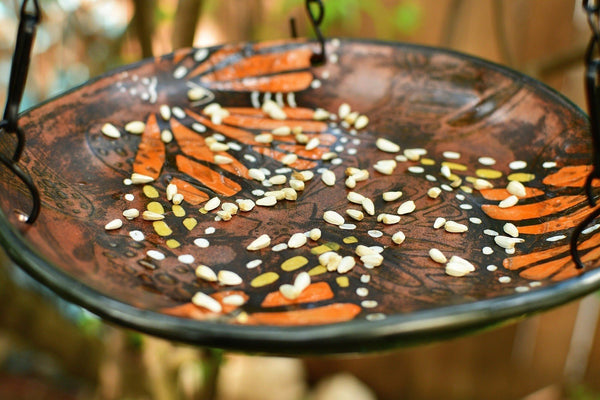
<point>571,176</point>
<point>190,193</point>
<point>535,210</point>
<point>249,122</point>
<point>150,156</point>
<point>262,64</point>
<point>213,179</point>
<point>240,135</point>
<point>193,145</point>
<point>214,59</point>
<point>290,82</point>
<point>315,292</point>
<point>330,314</point>
<point>501,194</point>
<point>292,113</point>
<point>558,224</point>
<point>278,155</point>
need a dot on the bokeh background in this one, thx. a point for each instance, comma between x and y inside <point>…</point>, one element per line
<point>50,349</point>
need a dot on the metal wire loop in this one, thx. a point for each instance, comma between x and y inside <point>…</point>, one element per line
<point>316,20</point>
<point>16,87</point>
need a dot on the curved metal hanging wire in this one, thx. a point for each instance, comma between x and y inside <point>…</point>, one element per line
<point>29,20</point>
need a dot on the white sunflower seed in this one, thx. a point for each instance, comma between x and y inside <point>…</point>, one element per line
<point>135,127</point>
<point>140,178</point>
<point>302,281</point>
<point>362,250</point>
<point>490,232</point>
<point>138,236</point>
<point>278,179</point>
<point>388,219</point>
<point>361,175</point>
<point>385,167</point>
<point>202,243</point>
<point>452,155</point>
<point>486,161</point>
<point>297,185</point>
<point>414,154</point>
<point>407,207</point>
<point>315,234</point>
<point>387,145</point>
<point>516,165</point>
<point>114,224</point>
<point>222,160</point>
<point>350,182</point>
<point>171,191</point>
<point>434,192</point>
<point>289,159</point>
<point>297,240</point>
<point>246,205</point>
<point>110,131</point>
<point>333,218</point>
<point>549,164</point>
<point>368,206</point>
<point>355,214</point>
<point>328,177</point>
<point>455,227</point>
<point>312,144</point>
<point>218,146</point>
<point>361,122</point>
<point>392,196</point>
<point>259,243</point>
<point>355,198</point>
<point>346,264</point>
<point>212,204</point>
<point>320,114</point>
<point>152,216</point>
<point>267,201</point>
<point>507,242</point>
<point>510,229</point>
<point>203,300</point>
<point>516,188</point>
<point>509,201</point>
<point>373,260</point>
<point>229,278</point>
<point>177,198</point>
<point>303,176</point>
<point>166,136</point>
<point>481,184</point>
<point>398,237</point>
<point>206,273</point>
<point>234,300</point>
<point>131,213</point>
<point>437,256</point>
<point>445,171</point>
<point>282,131</point>
<point>256,174</point>
<point>344,110</point>
<point>253,264</point>
<point>288,291</point>
<point>165,112</point>
<point>439,222</point>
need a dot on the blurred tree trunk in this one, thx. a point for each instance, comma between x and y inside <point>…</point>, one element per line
<point>186,21</point>
<point>143,23</point>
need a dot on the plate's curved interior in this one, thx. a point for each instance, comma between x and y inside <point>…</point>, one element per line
<point>463,125</point>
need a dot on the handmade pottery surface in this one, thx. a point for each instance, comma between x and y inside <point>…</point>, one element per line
<point>456,108</point>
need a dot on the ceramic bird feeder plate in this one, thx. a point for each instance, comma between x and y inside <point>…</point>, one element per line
<point>205,196</point>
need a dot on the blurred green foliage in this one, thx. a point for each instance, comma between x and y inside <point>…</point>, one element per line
<point>390,21</point>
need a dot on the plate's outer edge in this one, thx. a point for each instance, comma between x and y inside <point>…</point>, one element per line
<point>349,337</point>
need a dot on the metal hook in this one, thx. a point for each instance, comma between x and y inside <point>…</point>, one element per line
<point>316,58</point>
<point>16,87</point>
<point>316,20</point>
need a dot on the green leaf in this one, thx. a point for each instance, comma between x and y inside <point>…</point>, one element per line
<point>407,17</point>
